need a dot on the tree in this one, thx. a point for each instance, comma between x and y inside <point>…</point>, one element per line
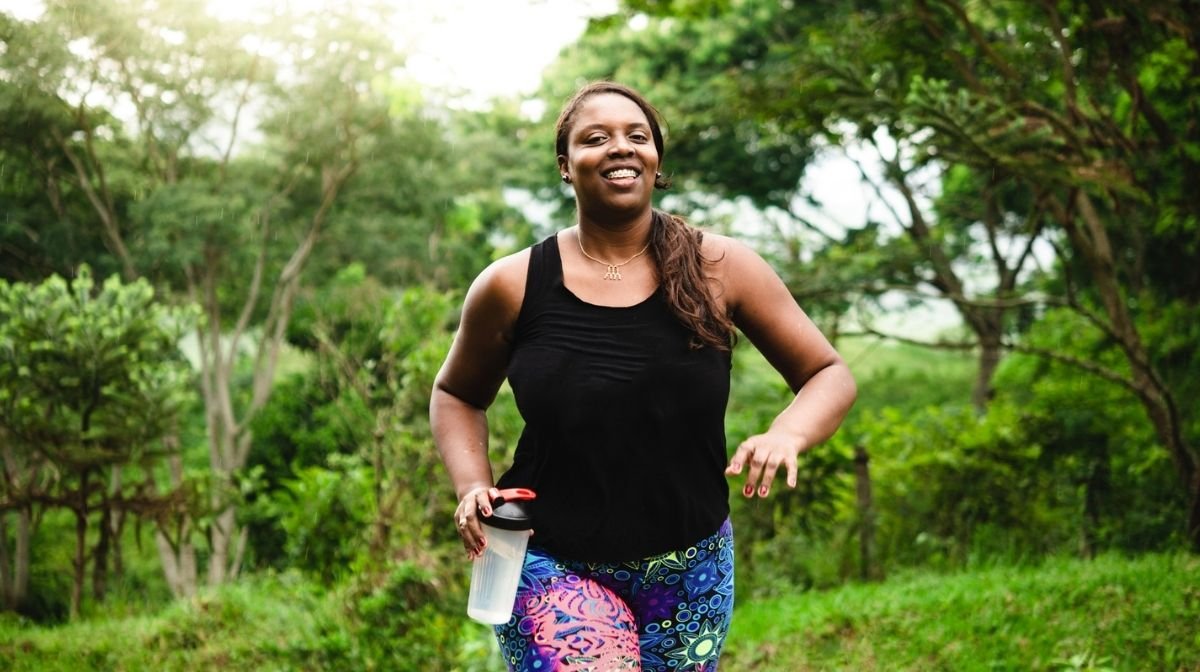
<point>1071,122</point>
<point>45,227</point>
<point>89,384</point>
<point>183,199</point>
<point>1103,141</point>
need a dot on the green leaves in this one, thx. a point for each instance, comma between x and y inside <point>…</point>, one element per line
<point>88,377</point>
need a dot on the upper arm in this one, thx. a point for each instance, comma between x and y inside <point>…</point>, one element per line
<point>764,310</point>
<point>478,357</point>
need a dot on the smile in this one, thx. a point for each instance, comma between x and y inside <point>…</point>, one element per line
<point>620,173</point>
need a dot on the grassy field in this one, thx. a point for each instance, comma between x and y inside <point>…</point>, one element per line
<point>1109,614</point>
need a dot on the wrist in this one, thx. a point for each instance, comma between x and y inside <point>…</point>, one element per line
<point>798,439</point>
<point>473,490</point>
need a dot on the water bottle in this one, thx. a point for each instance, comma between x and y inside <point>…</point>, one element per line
<point>496,573</point>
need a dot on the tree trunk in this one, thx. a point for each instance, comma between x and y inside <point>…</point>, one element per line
<point>100,553</point>
<point>80,561</point>
<point>1193,522</point>
<point>230,435</point>
<point>20,585</point>
<point>179,564</point>
<point>178,556</point>
<point>1095,491</point>
<point>223,531</point>
<point>866,515</point>
<point>117,526</point>
<point>1092,242</point>
<point>6,601</point>
<point>987,323</point>
<point>990,352</point>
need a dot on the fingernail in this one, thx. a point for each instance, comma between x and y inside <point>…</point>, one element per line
<point>748,491</point>
<point>762,492</point>
<point>735,466</point>
<point>487,510</point>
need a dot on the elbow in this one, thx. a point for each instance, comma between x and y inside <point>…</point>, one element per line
<point>444,396</point>
<point>837,385</point>
<point>850,386</point>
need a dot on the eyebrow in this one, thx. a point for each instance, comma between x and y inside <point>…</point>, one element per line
<point>599,126</point>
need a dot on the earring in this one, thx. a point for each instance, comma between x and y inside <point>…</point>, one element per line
<point>658,176</point>
<point>566,178</point>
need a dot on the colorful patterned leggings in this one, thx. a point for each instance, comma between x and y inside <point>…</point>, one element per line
<point>667,612</point>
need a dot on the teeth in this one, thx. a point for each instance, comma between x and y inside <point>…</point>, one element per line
<point>623,172</point>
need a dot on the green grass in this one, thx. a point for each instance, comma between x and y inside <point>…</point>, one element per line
<point>276,623</point>
<point>1109,614</point>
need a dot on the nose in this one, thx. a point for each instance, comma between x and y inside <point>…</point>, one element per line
<point>620,146</point>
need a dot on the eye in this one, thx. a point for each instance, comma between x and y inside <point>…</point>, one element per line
<point>594,139</point>
<point>638,136</point>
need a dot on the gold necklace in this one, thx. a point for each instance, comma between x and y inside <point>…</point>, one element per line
<point>614,270</point>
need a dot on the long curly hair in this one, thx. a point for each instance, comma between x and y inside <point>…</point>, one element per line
<point>674,244</point>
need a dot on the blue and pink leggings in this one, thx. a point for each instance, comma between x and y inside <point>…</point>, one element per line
<point>667,612</point>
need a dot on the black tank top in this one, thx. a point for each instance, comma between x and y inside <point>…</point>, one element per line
<point>624,438</point>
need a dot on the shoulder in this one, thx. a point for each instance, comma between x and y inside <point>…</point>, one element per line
<point>498,291</point>
<point>726,251</point>
<point>739,270</point>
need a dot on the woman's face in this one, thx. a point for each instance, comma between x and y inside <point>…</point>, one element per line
<point>611,158</point>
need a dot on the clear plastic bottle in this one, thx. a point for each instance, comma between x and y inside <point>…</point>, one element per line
<point>496,573</point>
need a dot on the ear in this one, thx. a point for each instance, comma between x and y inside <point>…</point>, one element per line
<point>562,165</point>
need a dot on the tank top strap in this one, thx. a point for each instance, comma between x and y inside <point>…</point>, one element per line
<point>545,268</point>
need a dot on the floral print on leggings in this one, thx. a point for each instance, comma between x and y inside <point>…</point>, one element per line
<point>667,612</point>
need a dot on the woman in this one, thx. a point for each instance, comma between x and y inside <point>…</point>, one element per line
<point>615,336</point>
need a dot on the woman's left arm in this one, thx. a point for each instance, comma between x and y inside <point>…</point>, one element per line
<point>765,311</point>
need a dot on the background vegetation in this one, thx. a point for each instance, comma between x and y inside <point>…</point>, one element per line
<point>232,256</point>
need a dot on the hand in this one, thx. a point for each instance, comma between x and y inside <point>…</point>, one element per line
<point>466,517</point>
<point>765,453</point>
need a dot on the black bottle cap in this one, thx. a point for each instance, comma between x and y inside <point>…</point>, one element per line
<point>509,510</point>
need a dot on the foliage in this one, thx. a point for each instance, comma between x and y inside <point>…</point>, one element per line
<point>1124,614</point>
<point>90,383</point>
<point>409,621</point>
<point>999,130</point>
<point>288,162</point>
<point>90,377</point>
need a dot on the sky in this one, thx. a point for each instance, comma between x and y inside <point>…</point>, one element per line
<point>481,48</point>
<point>495,47</point>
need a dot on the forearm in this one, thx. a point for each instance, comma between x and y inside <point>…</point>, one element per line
<point>818,407</point>
<point>460,431</point>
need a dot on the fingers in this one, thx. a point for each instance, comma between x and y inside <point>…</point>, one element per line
<point>738,460</point>
<point>761,457</point>
<point>763,464</point>
<point>476,503</point>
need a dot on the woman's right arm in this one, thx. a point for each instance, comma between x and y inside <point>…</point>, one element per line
<point>467,384</point>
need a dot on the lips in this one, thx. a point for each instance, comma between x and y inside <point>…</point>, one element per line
<point>620,173</point>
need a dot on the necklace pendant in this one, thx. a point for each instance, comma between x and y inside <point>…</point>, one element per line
<point>613,273</point>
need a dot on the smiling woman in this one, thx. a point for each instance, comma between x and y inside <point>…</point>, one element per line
<point>615,335</point>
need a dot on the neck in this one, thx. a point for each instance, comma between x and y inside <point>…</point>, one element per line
<point>610,239</point>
